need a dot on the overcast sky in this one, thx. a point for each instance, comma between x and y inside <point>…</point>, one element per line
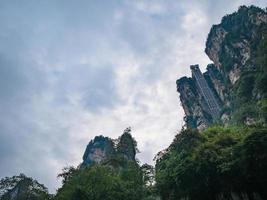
<point>74,69</point>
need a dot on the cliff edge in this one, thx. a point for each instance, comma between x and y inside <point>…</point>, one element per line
<point>238,76</point>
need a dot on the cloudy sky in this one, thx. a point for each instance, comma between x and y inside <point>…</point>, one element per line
<point>73,69</point>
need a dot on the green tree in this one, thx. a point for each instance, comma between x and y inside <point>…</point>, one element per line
<point>215,162</point>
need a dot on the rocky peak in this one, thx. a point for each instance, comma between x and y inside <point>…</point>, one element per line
<point>194,101</point>
<point>229,43</point>
<point>127,145</point>
<point>238,77</point>
<point>98,149</point>
<point>101,148</point>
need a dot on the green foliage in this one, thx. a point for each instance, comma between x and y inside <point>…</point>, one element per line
<point>22,187</point>
<point>261,84</point>
<point>262,105</point>
<point>127,145</point>
<point>104,182</point>
<point>244,31</point>
<point>261,62</point>
<point>118,177</point>
<point>67,173</point>
<point>226,55</point>
<point>148,174</point>
<point>240,26</point>
<point>245,112</point>
<point>245,87</point>
<point>217,161</point>
<point>254,160</point>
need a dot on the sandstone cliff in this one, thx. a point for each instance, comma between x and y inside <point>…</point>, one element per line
<point>238,78</point>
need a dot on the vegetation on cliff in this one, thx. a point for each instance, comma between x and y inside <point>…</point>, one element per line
<point>242,57</point>
<point>117,176</point>
<point>100,182</point>
<point>238,78</point>
<point>219,162</point>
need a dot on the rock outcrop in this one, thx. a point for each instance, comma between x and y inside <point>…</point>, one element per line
<point>101,148</point>
<point>126,146</point>
<point>98,149</point>
<point>230,43</point>
<point>238,77</point>
<point>195,108</point>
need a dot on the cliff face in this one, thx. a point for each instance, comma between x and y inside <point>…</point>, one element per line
<point>231,43</point>
<point>196,112</point>
<point>238,78</point>
<point>126,146</point>
<point>98,149</point>
<point>101,149</point>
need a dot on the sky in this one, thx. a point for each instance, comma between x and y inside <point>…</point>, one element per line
<point>74,69</point>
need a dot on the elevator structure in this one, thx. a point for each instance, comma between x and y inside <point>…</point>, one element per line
<point>206,92</point>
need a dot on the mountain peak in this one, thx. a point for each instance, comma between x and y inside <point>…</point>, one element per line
<point>235,82</point>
